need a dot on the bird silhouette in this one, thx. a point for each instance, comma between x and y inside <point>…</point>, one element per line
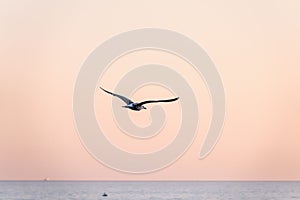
<point>137,106</point>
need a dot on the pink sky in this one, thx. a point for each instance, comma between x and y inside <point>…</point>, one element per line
<point>255,46</point>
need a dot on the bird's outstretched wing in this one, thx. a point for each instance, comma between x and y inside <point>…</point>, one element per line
<point>126,100</point>
<point>156,101</point>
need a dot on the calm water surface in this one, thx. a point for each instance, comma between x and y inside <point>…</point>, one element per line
<point>92,190</point>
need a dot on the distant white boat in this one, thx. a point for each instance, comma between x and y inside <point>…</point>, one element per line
<point>104,194</point>
<point>47,179</point>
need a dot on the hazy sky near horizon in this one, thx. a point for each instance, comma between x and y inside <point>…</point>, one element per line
<point>255,46</point>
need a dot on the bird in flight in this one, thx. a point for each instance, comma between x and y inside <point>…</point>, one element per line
<point>137,106</point>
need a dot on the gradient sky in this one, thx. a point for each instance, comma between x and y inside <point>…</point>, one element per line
<point>255,46</point>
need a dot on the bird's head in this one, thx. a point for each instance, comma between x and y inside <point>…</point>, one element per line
<point>144,107</point>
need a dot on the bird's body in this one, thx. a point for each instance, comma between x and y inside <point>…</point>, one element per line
<point>137,106</point>
<point>134,106</point>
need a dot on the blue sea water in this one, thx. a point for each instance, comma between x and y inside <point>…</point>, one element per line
<point>142,190</point>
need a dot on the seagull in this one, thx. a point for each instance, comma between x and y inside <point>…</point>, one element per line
<point>137,106</point>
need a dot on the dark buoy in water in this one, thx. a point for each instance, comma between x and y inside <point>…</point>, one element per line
<point>104,194</point>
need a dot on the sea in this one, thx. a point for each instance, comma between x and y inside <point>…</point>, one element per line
<point>150,190</point>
